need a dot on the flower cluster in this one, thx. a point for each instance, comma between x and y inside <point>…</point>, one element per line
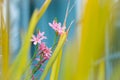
<point>37,39</point>
<point>57,27</point>
<point>43,53</point>
<point>43,50</point>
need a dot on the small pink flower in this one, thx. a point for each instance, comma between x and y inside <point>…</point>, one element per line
<point>42,46</point>
<point>41,35</point>
<point>61,30</point>
<point>57,27</point>
<point>44,50</point>
<point>47,51</point>
<point>54,25</point>
<point>37,39</point>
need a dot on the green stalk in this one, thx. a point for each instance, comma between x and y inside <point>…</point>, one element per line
<point>55,42</point>
<point>34,56</point>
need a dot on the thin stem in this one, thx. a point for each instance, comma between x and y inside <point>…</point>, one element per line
<point>34,70</point>
<point>66,15</point>
<point>55,41</point>
<point>70,26</point>
<point>34,56</point>
<point>72,7</point>
<point>38,66</point>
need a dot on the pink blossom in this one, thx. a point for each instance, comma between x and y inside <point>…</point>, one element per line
<point>54,25</point>
<point>41,35</point>
<point>42,46</point>
<point>61,30</point>
<point>46,52</point>
<point>37,39</point>
<point>57,27</point>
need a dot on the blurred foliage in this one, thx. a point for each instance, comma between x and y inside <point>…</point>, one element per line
<point>19,65</point>
<point>80,61</point>
<point>4,45</point>
<point>80,64</point>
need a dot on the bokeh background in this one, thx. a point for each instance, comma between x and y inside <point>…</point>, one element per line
<point>92,50</point>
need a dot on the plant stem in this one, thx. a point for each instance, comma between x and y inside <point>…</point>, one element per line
<point>55,42</point>
<point>32,59</point>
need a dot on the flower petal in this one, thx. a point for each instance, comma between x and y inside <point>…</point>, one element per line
<point>37,59</point>
<point>35,43</point>
<point>51,25</point>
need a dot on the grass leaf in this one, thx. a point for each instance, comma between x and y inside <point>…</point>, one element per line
<point>19,65</point>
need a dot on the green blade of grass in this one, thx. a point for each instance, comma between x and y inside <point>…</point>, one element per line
<point>56,67</point>
<point>19,65</point>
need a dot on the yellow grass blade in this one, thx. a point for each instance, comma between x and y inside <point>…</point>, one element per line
<point>56,67</point>
<point>101,71</point>
<point>116,71</point>
<point>69,62</point>
<point>4,45</point>
<point>1,1</point>
<point>78,63</point>
<point>92,45</point>
<point>19,65</point>
<point>0,46</point>
<point>5,50</point>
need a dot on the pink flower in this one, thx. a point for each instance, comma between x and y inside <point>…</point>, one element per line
<point>57,27</point>
<point>41,35</point>
<point>54,25</point>
<point>47,52</point>
<point>44,50</point>
<point>37,39</point>
<point>61,30</point>
<point>42,46</point>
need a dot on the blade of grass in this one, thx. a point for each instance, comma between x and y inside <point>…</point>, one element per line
<point>101,72</point>
<point>92,47</point>
<point>5,50</point>
<point>56,67</point>
<point>4,45</point>
<point>19,65</point>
